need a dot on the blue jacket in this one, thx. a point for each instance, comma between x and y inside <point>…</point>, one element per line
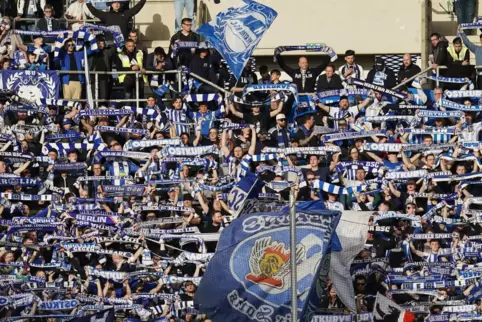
<point>63,60</point>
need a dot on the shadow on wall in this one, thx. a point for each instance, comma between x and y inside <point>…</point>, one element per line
<point>157,30</point>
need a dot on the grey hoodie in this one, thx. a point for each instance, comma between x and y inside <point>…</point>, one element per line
<point>477,50</point>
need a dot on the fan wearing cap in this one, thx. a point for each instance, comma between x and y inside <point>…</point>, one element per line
<point>256,117</point>
<point>201,65</point>
<point>344,109</point>
<point>279,134</point>
<point>38,45</point>
<point>381,75</point>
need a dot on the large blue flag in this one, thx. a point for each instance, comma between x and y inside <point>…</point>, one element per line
<point>247,188</point>
<point>249,276</point>
<point>30,84</point>
<point>237,31</point>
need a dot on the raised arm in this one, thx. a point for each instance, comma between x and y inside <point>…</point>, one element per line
<point>252,147</point>
<point>135,10</point>
<point>97,13</point>
<point>224,143</point>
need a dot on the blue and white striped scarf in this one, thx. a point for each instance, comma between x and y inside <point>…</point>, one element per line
<point>206,98</point>
<point>440,114</point>
<point>445,103</point>
<point>189,45</point>
<point>142,144</point>
<point>79,36</point>
<point>115,30</point>
<point>336,190</point>
<point>381,89</point>
<point>452,80</point>
<point>102,128</point>
<point>351,135</point>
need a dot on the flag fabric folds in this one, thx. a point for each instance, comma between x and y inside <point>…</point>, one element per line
<point>236,32</point>
<point>249,276</point>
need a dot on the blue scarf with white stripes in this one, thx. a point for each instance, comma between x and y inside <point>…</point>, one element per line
<point>79,36</point>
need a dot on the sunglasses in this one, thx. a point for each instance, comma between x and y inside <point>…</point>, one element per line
<point>310,179</point>
<point>113,145</point>
<point>410,208</point>
<point>70,45</point>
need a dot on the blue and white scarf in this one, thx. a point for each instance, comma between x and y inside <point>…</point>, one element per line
<point>336,190</point>
<point>115,30</point>
<point>445,103</point>
<point>317,47</point>
<point>452,80</point>
<point>440,114</point>
<point>186,151</point>
<point>102,128</point>
<point>377,88</point>
<point>79,36</point>
<point>351,135</point>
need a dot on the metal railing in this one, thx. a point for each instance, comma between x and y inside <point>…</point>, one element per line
<point>438,73</point>
<point>137,99</point>
<point>412,78</point>
<point>63,21</point>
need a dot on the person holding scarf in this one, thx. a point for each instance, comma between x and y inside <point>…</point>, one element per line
<point>117,16</point>
<point>304,77</point>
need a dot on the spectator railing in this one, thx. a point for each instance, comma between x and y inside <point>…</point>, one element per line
<point>137,99</point>
<point>61,20</point>
<point>204,80</point>
<point>438,73</point>
<point>408,80</point>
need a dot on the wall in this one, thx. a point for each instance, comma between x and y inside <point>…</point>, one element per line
<point>367,26</point>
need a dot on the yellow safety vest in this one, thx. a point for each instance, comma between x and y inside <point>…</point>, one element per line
<point>460,56</point>
<point>127,64</point>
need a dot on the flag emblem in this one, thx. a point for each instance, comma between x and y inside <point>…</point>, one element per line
<point>270,262</point>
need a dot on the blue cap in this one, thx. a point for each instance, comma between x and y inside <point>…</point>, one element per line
<point>67,121</point>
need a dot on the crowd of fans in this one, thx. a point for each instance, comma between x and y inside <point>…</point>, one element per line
<point>122,205</point>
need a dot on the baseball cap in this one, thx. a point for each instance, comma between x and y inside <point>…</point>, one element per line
<point>67,121</point>
<point>280,116</point>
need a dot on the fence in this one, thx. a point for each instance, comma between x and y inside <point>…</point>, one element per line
<point>137,99</point>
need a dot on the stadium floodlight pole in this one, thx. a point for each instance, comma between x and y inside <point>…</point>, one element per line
<point>294,287</point>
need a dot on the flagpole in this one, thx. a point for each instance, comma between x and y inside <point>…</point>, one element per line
<point>294,288</point>
<point>88,89</point>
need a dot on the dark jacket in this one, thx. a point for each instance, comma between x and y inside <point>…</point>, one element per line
<point>102,61</point>
<point>42,25</point>
<point>202,67</point>
<point>311,74</point>
<point>407,72</point>
<point>69,183</point>
<point>385,78</point>
<point>151,63</point>
<point>183,56</point>
<point>120,18</point>
<point>440,53</point>
<point>334,83</point>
